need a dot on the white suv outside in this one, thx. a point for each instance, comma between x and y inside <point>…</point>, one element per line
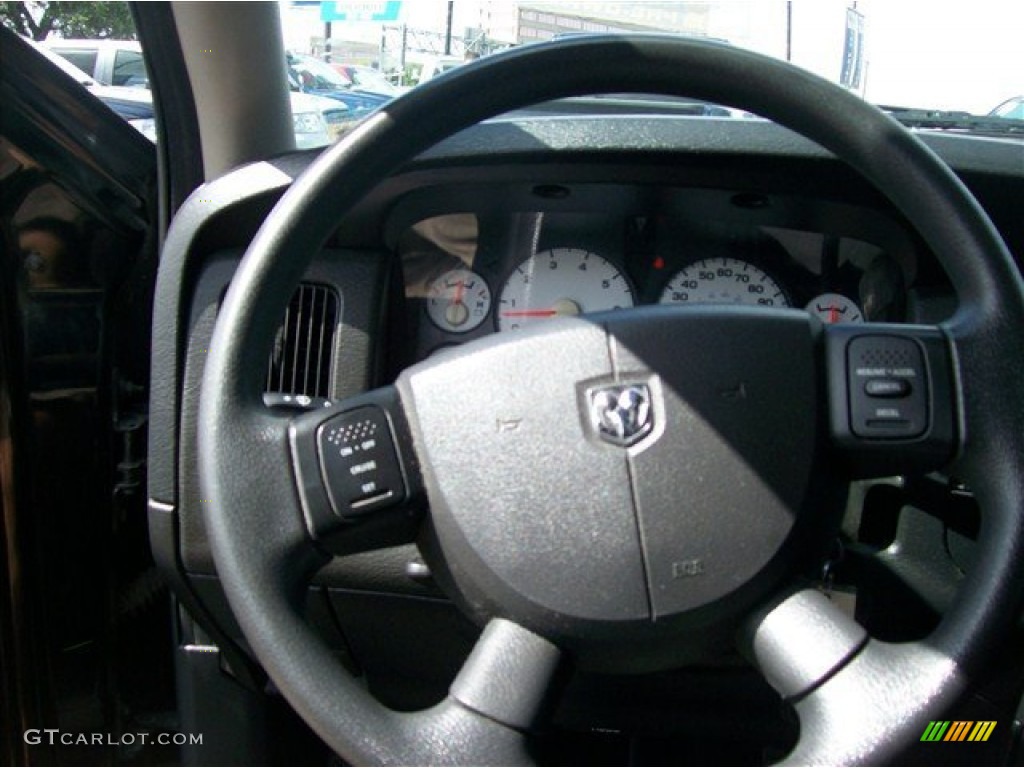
<point>315,120</point>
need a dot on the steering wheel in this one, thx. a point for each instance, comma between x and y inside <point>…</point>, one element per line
<point>616,485</point>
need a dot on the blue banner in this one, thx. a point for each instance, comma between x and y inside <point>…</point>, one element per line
<point>384,10</point>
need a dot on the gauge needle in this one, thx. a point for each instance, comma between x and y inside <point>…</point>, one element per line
<point>529,313</point>
<point>460,288</point>
<point>834,312</point>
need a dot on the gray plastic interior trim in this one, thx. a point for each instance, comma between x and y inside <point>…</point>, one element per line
<point>803,640</point>
<point>238,120</point>
<point>507,676</point>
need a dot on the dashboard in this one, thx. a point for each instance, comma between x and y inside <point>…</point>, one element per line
<point>521,220</point>
<point>511,223</point>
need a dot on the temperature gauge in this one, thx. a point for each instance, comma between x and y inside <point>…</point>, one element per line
<point>835,308</point>
<point>458,301</point>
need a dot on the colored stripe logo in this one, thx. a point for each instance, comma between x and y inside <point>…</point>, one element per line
<point>958,730</point>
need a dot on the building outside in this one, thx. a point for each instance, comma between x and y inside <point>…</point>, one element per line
<point>542,21</point>
<point>825,36</point>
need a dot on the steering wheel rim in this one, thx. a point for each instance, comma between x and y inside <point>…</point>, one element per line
<point>861,710</point>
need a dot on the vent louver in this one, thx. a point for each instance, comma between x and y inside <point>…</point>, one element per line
<point>303,354</point>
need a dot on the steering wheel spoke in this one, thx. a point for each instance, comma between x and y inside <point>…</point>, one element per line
<point>801,641</point>
<point>499,695</point>
<point>507,676</point>
<point>849,690</point>
<point>892,397</point>
<point>357,475</point>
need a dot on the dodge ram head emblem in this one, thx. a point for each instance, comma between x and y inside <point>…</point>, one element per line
<point>621,414</point>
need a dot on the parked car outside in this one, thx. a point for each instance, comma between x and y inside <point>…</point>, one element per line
<point>1012,108</point>
<point>311,75</point>
<point>368,79</point>
<point>316,121</point>
<point>111,62</point>
<point>133,104</point>
<point>118,63</point>
<point>438,66</point>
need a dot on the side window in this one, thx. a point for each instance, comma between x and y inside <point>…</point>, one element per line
<point>84,60</point>
<point>129,69</point>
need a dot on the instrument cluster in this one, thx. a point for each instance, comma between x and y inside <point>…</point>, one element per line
<point>471,274</point>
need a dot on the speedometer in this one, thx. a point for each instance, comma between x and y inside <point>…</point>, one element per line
<point>561,282</point>
<point>723,280</point>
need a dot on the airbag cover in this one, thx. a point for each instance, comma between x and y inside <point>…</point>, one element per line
<point>541,513</point>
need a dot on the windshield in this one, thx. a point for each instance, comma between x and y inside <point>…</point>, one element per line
<point>911,53</point>
<point>934,66</point>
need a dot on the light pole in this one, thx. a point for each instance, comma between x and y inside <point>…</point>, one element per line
<point>448,29</point>
<point>789,30</point>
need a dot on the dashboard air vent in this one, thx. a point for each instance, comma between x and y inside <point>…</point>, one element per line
<point>303,354</point>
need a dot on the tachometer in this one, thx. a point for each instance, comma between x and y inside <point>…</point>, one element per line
<point>560,282</point>
<point>723,280</point>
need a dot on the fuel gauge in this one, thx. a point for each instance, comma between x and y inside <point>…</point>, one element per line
<point>458,301</point>
<point>835,308</point>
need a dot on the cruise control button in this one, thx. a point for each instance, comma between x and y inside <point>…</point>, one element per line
<point>887,388</point>
<point>888,414</point>
<point>359,463</point>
